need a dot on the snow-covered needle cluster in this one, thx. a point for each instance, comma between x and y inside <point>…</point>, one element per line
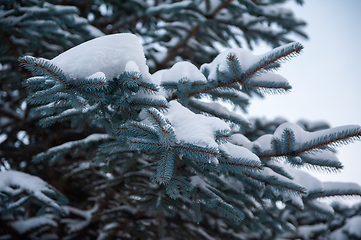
<point>175,153</point>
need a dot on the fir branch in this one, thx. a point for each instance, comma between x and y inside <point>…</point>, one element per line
<point>145,144</point>
<point>288,140</point>
<point>143,128</point>
<point>243,78</point>
<point>182,182</point>
<point>320,161</point>
<point>236,97</point>
<point>333,139</point>
<point>170,86</point>
<point>220,7</point>
<point>66,147</point>
<point>196,209</point>
<point>189,149</point>
<point>15,184</point>
<point>148,103</point>
<point>43,67</point>
<point>246,177</point>
<point>44,96</point>
<point>90,84</point>
<point>294,206</point>
<point>148,87</point>
<point>242,163</point>
<point>166,167</point>
<point>278,169</point>
<point>231,211</point>
<point>263,87</point>
<point>317,208</point>
<point>65,115</point>
<point>275,87</point>
<point>333,189</point>
<point>294,188</point>
<point>219,111</point>
<point>94,95</point>
<point>157,118</point>
<point>328,138</point>
<point>234,65</point>
<point>275,55</point>
<point>108,147</point>
<point>249,182</point>
<point>35,83</point>
<point>276,182</point>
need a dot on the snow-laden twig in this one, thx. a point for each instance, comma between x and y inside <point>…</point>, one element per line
<point>14,184</point>
<point>75,225</point>
<point>24,226</point>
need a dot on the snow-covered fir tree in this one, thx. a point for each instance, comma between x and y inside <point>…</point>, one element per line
<point>135,141</point>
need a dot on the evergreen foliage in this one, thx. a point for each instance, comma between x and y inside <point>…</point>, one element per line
<point>155,153</point>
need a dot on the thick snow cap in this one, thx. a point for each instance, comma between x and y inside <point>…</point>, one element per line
<point>108,54</point>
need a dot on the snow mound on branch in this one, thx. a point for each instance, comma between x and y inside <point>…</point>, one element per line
<point>302,136</point>
<point>303,178</point>
<point>23,181</point>
<point>238,152</point>
<point>14,183</point>
<point>97,75</point>
<point>157,79</point>
<point>352,227</point>
<point>194,128</point>
<point>183,70</point>
<point>108,54</point>
<point>23,226</point>
<point>246,59</point>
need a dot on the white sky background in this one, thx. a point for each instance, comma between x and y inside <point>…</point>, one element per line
<point>325,77</point>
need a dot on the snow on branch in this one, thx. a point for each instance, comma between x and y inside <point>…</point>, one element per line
<point>17,188</point>
<point>236,158</point>
<point>321,160</point>
<point>178,131</point>
<point>301,147</point>
<point>352,227</point>
<point>321,210</point>
<point>24,226</point>
<point>56,153</point>
<point>315,190</point>
<point>219,111</point>
<point>197,157</point>
<point>333,189</point>
<point>241,66</point>
<point>80,82</point>
<point>76,225</point>
<point>278,54</point>
<point>209,194</point>
<point>236,97</point>
<point>278,182</point>
<point>108,54</point>
<point>266,82</point>
<point>194,128</point>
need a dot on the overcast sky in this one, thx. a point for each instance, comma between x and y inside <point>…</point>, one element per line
<point>325,77</point>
